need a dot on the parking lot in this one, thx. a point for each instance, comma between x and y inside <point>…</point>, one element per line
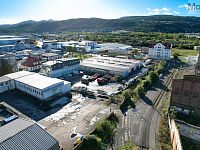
<point>80,115</point>
<point>110,88</point>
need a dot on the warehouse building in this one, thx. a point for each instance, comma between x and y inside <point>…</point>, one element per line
<point>60,67</point>
<point>6,84</point>
<point>185,88</point>
<point>110,65</point>
<point>19,132</point>
<point>41,87</point>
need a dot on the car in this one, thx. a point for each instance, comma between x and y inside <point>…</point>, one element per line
<point>76,138</point>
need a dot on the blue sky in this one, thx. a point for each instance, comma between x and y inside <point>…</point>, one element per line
<point>13,11</point>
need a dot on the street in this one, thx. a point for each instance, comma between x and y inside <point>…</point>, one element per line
<point>139,126</point>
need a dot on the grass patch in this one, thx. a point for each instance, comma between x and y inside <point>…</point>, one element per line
<point>185,52</point>
<point>164,132</point>
<point>129,147</point>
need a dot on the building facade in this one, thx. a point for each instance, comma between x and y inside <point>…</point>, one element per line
<point>109,65</point>
<point>31,64</point>
<point>185,89</point>
<point>160,51</point>
<point>36,85</point>
<point>6,84</point>
<point>50,56</point>
<point>60,67</point>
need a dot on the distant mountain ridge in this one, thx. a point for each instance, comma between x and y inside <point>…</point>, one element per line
<point>158,23</point>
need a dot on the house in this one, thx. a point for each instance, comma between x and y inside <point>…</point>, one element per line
<point>31,64</point>
<point>50,56</point>
<point>60,67</point>
<point>160,51</point>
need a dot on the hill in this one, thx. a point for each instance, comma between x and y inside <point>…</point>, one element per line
<point>158,23</point>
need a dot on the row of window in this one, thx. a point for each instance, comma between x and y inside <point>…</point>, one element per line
<point>29,89</point>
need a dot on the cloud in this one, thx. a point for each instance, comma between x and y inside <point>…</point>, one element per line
<point>161,11</point>
<point>183,6</point>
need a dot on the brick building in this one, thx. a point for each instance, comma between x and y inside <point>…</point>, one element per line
<point>186,88</point>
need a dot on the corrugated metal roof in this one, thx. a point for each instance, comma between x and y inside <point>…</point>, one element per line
<point>25,135</point>
<point>13,128</point>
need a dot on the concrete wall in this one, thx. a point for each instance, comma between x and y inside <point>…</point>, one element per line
<point>189,131</point>
<point>64,71</point>
<point>8,85</point>
<point>174,135</point>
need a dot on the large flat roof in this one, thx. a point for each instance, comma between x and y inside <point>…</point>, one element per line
<point>38,81</point>
<point>4,79</point>
<point>34,79</point>
<point>109,63</point>
<point>18,74</point>
<point>49,54</point>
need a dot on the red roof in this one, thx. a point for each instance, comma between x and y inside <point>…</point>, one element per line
<point>30,62</point>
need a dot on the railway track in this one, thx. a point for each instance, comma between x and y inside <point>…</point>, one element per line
<point>155,108</point>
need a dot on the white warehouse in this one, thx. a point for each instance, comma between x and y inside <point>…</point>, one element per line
<point>110,65</point>
<point>41,87</point>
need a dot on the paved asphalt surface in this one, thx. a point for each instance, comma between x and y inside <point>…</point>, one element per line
<point>140,124</point>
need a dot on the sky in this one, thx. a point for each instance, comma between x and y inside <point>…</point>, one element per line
<point>14,11</point>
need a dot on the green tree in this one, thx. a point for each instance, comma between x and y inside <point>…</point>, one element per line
<point>105,130</point>
<point>153,76</point>
<point>175,55</point>
<point>5,67</point>
<point>139,90</point>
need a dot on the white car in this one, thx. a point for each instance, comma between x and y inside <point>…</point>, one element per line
<point>76,138</point>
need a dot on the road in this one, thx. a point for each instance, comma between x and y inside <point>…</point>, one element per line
<point>140,125</point>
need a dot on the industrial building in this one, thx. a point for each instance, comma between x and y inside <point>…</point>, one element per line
<point>60,67</point>
<point>6,84</point>
<point>185,89</point>
<point>41,87</point>
<point>110,65</point>
<point>113,48</point>
<point>19,132</point>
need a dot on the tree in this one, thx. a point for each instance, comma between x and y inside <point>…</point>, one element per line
<point>105,130</point>
<point>146,83</point>
<point>71,49</point>
<point>92,141</point>
<point>175,55</point>
<point>153,76</point>
<point>139,90</point>
<point>5,67</point>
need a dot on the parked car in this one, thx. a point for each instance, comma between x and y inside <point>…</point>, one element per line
<point>76,138</point>
<point>102,81</point>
